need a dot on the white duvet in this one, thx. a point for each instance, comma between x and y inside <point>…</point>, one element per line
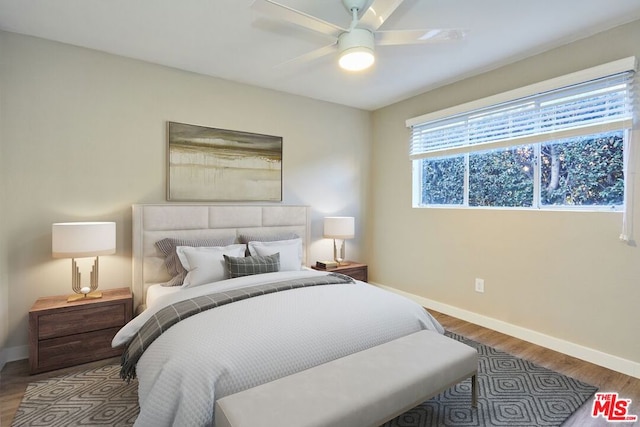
<point>238,346</point>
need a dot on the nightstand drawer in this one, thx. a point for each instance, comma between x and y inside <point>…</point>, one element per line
<point>76,349</point>
<point>63,333</point>
<point>80,321</point>
<point>356,273</point>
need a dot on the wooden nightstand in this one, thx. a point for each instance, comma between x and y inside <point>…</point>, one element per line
<point>353,269</point>
<point>65,333</point>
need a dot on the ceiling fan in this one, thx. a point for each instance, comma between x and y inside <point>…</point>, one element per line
<point>356,44</point>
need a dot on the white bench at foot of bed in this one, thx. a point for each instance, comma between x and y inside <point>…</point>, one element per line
<point>366,388</point>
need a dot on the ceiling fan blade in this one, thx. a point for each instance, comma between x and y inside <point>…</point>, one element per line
<point>280,11</point>
<point>377,13</point>
<point>418,36</point>
<point>311,56</point>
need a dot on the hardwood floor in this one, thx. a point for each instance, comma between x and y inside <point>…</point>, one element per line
<point>15,377</point>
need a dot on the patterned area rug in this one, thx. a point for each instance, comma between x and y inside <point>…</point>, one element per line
<point>512,392</point>
<point>96,397</point>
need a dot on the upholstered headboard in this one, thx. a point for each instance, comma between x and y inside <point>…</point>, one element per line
<point>153,222</point>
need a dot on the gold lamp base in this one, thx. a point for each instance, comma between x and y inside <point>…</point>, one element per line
<point>87,292</point>
<point>338,251</point>
<point>90,295</point>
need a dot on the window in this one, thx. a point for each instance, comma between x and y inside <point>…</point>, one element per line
<point>555,145</point>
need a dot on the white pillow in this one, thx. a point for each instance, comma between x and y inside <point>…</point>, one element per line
<point>206,264</point>
<point>290,252</point>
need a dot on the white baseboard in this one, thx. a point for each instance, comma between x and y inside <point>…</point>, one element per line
<point>618,364</point>
<point>11,354</point>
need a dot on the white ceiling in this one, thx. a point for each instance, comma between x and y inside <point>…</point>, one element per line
<point>227,39</point>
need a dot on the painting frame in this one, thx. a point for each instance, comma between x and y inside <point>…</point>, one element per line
<point>207,164</point>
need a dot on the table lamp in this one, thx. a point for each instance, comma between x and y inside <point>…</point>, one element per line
<point>81,240</point>
<point>339,228</point>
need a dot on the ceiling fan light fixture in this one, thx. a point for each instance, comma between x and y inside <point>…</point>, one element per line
<point>356,59</point>
<point>356,50</point>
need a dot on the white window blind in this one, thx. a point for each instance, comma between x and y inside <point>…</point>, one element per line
<point>599,105</point>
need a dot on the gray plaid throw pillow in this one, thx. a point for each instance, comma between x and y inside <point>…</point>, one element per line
<point>246,266</point>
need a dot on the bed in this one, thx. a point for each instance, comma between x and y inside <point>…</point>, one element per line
<point>243,344</point>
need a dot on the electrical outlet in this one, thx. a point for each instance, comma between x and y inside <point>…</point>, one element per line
<point>480,285</point>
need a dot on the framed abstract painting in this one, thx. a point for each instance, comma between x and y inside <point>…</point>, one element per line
<point>210,164</point>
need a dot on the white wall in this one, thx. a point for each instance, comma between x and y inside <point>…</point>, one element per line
<point>563,277</point>
<point>83,138</point>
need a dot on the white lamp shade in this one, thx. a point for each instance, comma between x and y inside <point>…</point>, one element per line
<point>83,239</point>
<point>339,227</point>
